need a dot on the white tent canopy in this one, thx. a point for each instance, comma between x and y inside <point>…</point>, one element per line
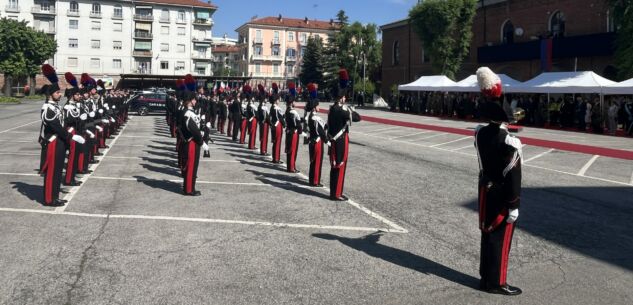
<point>470,84</point>
<point>564,82</point>
<point>428,83</point>
<point>625,87</point>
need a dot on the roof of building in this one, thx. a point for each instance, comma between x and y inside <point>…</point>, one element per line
<point>394,24</point>
<point>294,23</point>
<point>195,3</point>
<point>226,49</point>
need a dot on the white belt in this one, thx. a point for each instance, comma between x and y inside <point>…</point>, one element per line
<point>52,138</point>
<point>339,134</point>
<point>70,129</point>
<point>317,140</point>
<point>276,123</point>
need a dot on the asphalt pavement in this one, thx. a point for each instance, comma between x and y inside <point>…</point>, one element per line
<point>259,235</point>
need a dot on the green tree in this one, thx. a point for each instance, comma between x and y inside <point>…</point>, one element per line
<point>623,22</point>
<point>312,66</point>
<point>22,50</point>
<point>445,29</point>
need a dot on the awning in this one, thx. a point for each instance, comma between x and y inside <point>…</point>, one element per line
<point>144,26</point>
<point>625,87</point>
<point>203,15</point>
<point>201,65</point>
<point>142,45</point>
<point>428,83</point>
<point>201,45</point>
<point>563,82</point>
<point>470,84</point>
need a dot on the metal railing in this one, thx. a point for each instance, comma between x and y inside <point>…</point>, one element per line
<point>142,53</point>
<point>12,8</point>
<point>39,10</point>
<point>202,21</point>
<point>95,15</point>
<point>117,16</point>
<point>143,35</point>
<point>258,40</point>
<point>164,19</point>
<point>72,13</point>
<point>291,58</point>
<point>140,17</point>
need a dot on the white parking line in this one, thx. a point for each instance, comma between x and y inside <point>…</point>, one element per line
<point>14,128</point>
<point>180,180</point>
<point>449,142</point>
<point>201,160</point>
<point>203,220</point>
<point>19,154</point>
<point>460,148</point>
<point>147,137</point>
<point>539,155</point>
<point>19,174</point>
<point>384,129</point>
<point>587,165</point>
<point>411,134</point>
<point>432,136</point>
<point>83,179</point>
<point>631,178</point>
<point>18,141</point>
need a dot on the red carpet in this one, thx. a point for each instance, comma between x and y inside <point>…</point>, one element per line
<point>579,148</point>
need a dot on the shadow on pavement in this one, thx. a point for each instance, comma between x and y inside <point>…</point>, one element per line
<point>594,221</point>
<point>30,191</point>
<point>370,246</point>
<point>289,183</point>
<point>164,185</point>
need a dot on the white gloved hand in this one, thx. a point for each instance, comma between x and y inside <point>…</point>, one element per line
<point>328,143</point>
<point>92,135</point>
<point>79,139</point>
<point>113,106</point>
<point>203,117</point>
<point>513,215</point>
<point>205,147</point>
<point>83,117</point>
<point>101,111</point>
<point>112,120</point>
<point>106,106</point>
<point>104,121</point>
<point>91,114</point>
<point>99,128</point>
<point>208,125</point>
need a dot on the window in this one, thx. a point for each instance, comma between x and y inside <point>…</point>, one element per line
<point>96,25</point>
<point>73,24</point>
<point>302,52</point>
<point>181,31</point>
<point>395,60</point>
<point>181,16</point>
<point>73,43</point>
<point>258,34</point>
<point>164,65</point>
<point>507,32</point>
<point>164,30</point>
<point>181,48</point>
<point>95,44</point>
<point>44,6</point>
<point>557,24</point>
<point>95,63</point>
<point>275,68</point>
<point>275,51</point>
<point>117,45</point>
<point>290,69</point>
<point>291,52</point>
<point>291,36</point>
<point>257,50</point>
<point>117,27</point>
<point>164,47</point>
<point>276,37</point>
<point>72,61</point>
<point>164,15</point>
<point>258,68</point>
<point>118,11</point>
<point>116,63</point>
<point>96,8</point>
<point>74,7</point>
<point>180,65</point>
<point>303,38</point>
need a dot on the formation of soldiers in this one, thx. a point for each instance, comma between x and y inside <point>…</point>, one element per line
<point>72,135</point>
<point>252,115</point>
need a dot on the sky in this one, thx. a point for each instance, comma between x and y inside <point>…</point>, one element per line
<point>233,13</point>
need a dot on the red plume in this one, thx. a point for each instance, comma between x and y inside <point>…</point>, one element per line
<point>50,73</point>
<point>71,79</point>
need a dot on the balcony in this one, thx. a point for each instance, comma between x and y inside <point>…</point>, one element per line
<point>37,10</point>
<point>258,40</point>
<point>142,35</point>
<point>96,15</point>
<point>203,22</point>
<point>71,13</point>
<point>205,40</point>
<point>602,44</point>
<point>12,8</point>
<point>181,21</point>
<point>147,18</point>
<point>163,19</point>
<point>202,57</point>
<point>291,58</point>
<point>267,57</point>
<point>275,42</point>
<point>117,17</point>
<point>137,53</point>
<point>303,43</point>
<point>49,30</point>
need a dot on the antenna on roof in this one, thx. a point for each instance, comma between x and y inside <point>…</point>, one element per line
<point>254,17</point>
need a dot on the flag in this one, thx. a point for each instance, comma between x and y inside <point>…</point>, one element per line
<point>546,54</point>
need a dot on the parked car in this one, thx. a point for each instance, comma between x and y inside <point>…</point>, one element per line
<point>148,102</point>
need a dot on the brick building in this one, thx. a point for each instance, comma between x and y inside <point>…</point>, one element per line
<point>511,37</point>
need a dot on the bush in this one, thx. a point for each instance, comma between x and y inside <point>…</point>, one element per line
<point>9,100</point>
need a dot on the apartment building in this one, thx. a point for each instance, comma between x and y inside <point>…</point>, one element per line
<point>273,47</point>
<point>110,38</point>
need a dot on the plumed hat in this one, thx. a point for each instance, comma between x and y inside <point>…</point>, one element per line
<point>489,83</point>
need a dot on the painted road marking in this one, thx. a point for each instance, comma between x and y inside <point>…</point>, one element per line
<point>587,165</point>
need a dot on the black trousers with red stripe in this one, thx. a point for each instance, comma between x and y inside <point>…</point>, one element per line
<point>229,129</point>
<point>52,170</point>
<point>243,131</point>
<point>263,138</point>
<point>495,251</point>
<point>72,163</point>
<point>191,158</point>
<point>316,162</point>
<point>292,148</point>
<point>277,132</point>
<point>338,161</point>
<point>252,137</point>
<point>221,122</point>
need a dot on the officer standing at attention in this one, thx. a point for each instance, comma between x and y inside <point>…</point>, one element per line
<point>500,158</point>
<point>193,140</point>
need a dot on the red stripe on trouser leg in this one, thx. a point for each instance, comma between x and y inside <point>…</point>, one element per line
<point>49,166</point>
<point>292,153</point>
<point>277,143</point>
<point>243,131</point>
<point>253,136</point>
<point>70,166</point>
<point>482,206</point>
<point>80,162</point>
<point>264,139</point>
<point>316,161</point>
<point>505,251</point>
<point>191,154</point>
<point>341,175</point>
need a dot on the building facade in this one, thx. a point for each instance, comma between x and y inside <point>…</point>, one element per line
<point>108,38</point>
<point>514,37</point>
<point>273,47</point>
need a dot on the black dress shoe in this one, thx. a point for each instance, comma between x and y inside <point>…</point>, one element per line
<point>338,198</point>
<point>93,162</point>
<point>73,183</point>
<point>98,154</point>
<point>57,203</point>
<point>296,171</point>
<point>504,290</point>
<point>316,185</point>
<point>195,193</point>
